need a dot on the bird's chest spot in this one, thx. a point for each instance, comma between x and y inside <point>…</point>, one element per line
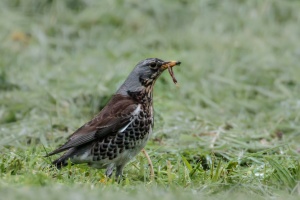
<point>137,133</point>
<point>129,140</point>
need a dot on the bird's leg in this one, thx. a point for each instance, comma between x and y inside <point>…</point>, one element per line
<point>109,170</point>
<point>150,164</point>
<point>119,172</point>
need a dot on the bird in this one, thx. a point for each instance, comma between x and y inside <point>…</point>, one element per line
<point>122,128</point>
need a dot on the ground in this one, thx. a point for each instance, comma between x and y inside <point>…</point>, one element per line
<point>229,130</point>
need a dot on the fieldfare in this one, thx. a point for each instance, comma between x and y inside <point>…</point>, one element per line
<point>122,128</point>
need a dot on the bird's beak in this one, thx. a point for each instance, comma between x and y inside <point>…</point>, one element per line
<point>168,64</point>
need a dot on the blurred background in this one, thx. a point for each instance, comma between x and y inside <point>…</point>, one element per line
<point>239,86</point>
<point>62,60</point>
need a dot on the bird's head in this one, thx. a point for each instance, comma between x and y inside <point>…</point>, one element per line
<point>145,74</point>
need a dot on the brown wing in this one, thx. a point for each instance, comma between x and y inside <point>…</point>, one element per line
<point>112,118</point>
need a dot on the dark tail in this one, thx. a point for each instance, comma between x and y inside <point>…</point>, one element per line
<point>63,160</point>
<point>60,163</point>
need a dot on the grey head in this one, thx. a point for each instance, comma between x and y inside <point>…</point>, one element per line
<point>145,74</point>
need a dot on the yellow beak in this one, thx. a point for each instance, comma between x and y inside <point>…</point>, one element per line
<point>167,64</point>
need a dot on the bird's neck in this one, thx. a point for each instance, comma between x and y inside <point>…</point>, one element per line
<point>139,89</point>
<point>144,95</point>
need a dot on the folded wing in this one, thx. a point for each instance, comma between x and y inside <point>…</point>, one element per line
<point>116,115</point>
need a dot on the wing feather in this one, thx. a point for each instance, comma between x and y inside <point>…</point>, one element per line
<point>113,117</point>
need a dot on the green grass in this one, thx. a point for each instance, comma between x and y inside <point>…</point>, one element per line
<point>231,130</point>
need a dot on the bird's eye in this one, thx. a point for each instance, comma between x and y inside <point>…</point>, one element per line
<point>152,65</point>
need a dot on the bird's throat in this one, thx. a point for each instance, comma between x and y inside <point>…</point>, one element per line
<point>144,95</point>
